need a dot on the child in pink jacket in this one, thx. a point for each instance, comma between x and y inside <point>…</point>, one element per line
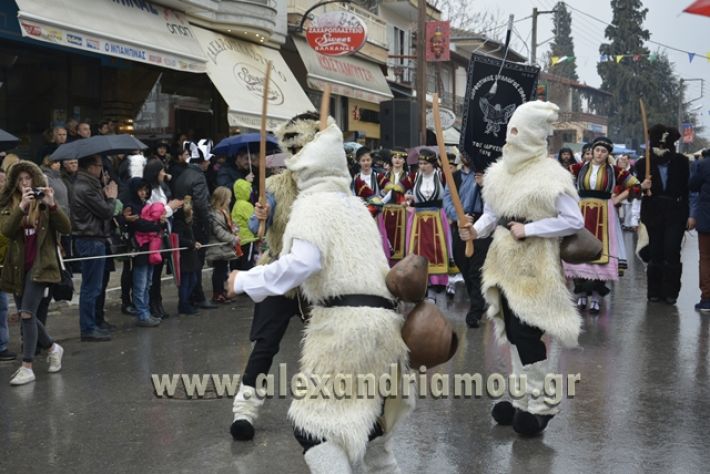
<point>152,213</point>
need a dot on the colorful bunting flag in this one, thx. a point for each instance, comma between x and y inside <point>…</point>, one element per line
<point>619,57</point>
<point>691,56</point>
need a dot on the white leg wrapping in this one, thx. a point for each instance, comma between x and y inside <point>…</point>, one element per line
<point>517,369</point>
<point>379,456</point>
<point>536,374</point>
<point>327,458</point>
<point>246,404</point>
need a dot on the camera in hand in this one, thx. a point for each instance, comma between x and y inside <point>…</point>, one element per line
<point>38,193</point>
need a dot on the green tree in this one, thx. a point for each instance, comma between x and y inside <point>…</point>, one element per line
<point>639,74</point>
<point>563,44</point>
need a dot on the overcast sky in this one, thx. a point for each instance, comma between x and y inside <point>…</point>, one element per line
<point>665,20</point>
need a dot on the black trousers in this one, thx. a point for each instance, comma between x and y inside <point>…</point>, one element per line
<point>198,294</point>
<point>156,296</point>
<point>471,268</point>
<point>219,275</point>
<point>271,318</point>
<point>126,282</point>
<point>664,267</point>
<point>527,339</point>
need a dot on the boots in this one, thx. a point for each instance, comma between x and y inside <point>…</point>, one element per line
<point>504,411</point>
<point>327,458</point>
<point>534,419</point>
<point>671,282</point>
<point>246,409</point>
<point>379,456</point>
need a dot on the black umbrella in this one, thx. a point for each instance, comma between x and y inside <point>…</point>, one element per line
<point>98,145</point>
<point>8,141</point>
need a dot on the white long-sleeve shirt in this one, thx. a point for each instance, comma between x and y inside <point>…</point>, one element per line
<point>282,275</point>
<point>568,221</point>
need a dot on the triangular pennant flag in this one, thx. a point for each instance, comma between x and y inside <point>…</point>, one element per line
<point>619,57</point>
<point>571,58</point>
<point>637,58</point>
<point>604,58</point>
<point>707,56</point>
<point>652,57</point>
<point>691,56</point>
<point>555,60</point>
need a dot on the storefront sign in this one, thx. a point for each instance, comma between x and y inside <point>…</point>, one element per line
<point>148,33</point>
<point>688,133</point>
<point>437,41</point>
<point>337,34</point>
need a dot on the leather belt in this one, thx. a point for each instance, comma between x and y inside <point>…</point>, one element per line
<point>504,221</point>
<point>370,301</point>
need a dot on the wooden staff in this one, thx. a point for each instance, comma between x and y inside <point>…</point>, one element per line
<point>262,148</point>
<point>644,119</point>
<point>455,199</point>
<point>324,107</point>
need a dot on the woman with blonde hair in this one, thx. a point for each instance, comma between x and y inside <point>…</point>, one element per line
<point>31,220</point>
<point>226,233</point>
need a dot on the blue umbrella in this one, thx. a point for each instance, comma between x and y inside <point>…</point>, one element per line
<point>236,144</point>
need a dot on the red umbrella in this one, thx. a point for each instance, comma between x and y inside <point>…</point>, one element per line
<point>173,242</point>
<point>700,7</point>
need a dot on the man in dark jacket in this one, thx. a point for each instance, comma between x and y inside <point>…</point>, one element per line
<point>700,218</point>
<point>91,212</point>
<point>192,182</point>
<point>664,212</point>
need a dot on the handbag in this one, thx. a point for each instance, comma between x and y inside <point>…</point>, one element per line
<point>64,290</point>
<point>580,247</point>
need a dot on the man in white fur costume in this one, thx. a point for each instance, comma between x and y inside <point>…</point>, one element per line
<point>331,249</point>
<point>530,203</point>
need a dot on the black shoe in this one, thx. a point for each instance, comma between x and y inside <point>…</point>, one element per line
<point>473,319</point>
<point>7,355</point>
<point>503,412</point>
<point>95,336</point>
<point>163,314</point>
<point>188,310</point>
<point>207,304</point>
<point>242,430</point>
<point>654,299</point>
<point>129,309</point>
<point>670,301</point>
<point>106,326</point>
<point>528,424</point>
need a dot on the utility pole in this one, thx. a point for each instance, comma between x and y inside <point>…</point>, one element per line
<point>533,46</point>
<point>421,69</point>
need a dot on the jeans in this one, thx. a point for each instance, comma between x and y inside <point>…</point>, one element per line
<point>92,276</point>
<point>704,248</point>
<point>33,331</point>
<point>188,282</point>
<point>142,279</point>
<point>4,331</point>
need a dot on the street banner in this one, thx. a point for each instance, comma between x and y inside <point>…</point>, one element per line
<point>487,109</point>
<point>688,132</point>
<point>438,34</point>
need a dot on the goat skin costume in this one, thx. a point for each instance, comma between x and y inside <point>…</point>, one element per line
<point>339,339</point>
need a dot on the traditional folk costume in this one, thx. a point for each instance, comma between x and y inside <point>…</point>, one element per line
<point>353,328</point>
<point>394,213</point>
<point>368,188</point>
<point>273,314</point>
<point>595,184</point>
<point>665,213</point>
<point>523,281</point>
<point>428,233</point>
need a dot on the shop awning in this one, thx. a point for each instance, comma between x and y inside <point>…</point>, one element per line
<point>238,68</point>
<point>347,75</point>
<point>134,30</point>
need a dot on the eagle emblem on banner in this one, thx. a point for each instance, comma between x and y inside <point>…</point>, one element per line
<point>495,115</point>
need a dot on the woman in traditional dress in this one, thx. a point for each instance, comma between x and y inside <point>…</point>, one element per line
<point>596,181</point>
<point>395,185</point>
<point>366,186</point>
<point>428,228</point>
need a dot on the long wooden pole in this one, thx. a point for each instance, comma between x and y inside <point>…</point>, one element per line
<point>325,107</point>
<point>647,140</point>
<point>262,148</point>
<point>455,198</point>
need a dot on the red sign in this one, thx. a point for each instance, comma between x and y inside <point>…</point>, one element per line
<point>337,34</point>
<point>437,41</point>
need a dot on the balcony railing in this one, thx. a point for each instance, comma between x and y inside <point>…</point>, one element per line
<point>376,28</point>
<point>583,117</point>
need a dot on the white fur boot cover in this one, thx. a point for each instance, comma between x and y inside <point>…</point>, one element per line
<point>246,404</point>
<point>327,458</point>
<point>379,456</point>
<point>536,374</point>
<point>517,369</point>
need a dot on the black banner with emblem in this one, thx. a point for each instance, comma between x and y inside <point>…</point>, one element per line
<point>486,114</point>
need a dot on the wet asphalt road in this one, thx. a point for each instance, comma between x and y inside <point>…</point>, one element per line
<point>642,405</point>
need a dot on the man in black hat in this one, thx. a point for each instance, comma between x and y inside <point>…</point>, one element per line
<point>664,212</point>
